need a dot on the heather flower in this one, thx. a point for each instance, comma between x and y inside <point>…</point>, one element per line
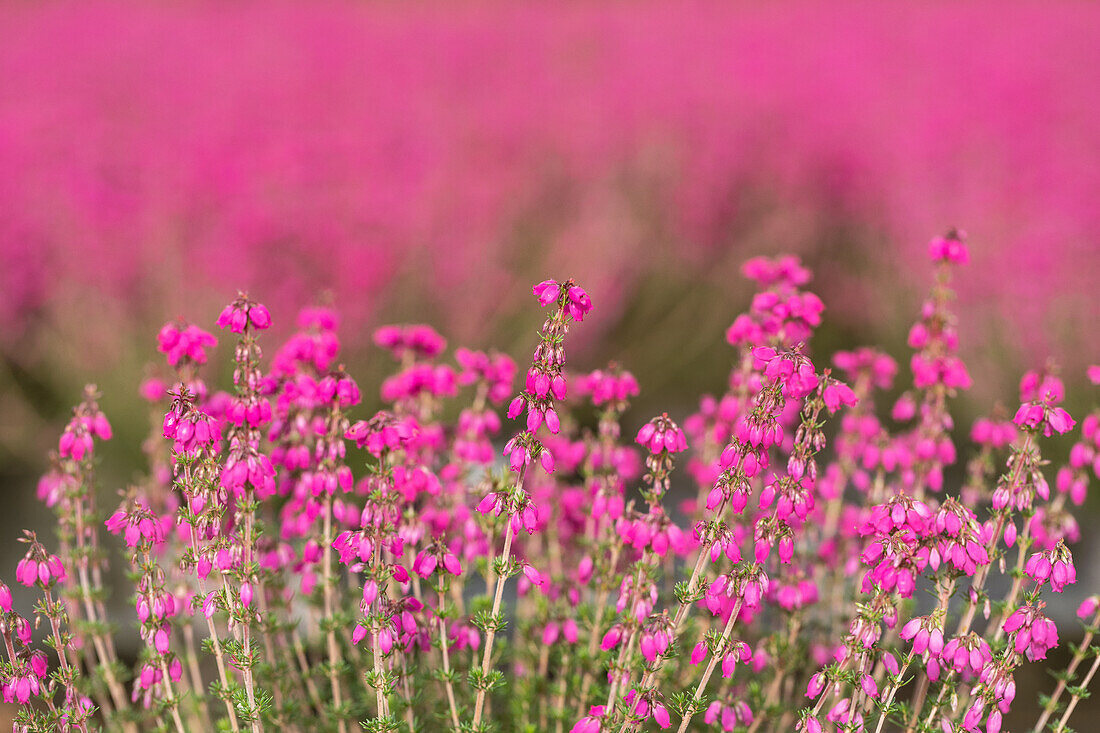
<point>180,342</point>
<point>1041,387</point>
<point>995,434</point>
<point>967,655</point>
<point>816,685</point>
<point>661,434</point>
<point>579,303</point>
<point>547,292</point>
<point>437,381</point>
<point>248,468</point>
<point>613,386</point>
<point>1054,565</point>
<point>810,725</point>
<point>728,716</point>
<point>837,394</point>
<point>590,723</point>
<point>612,638</point>
<point>38,566</point>
<point>252,500</point>
<point>21,688</point>
<point>383,432</point>
<point>842,714</point>
<point>876,367</point>
<point>1033,633</point>
<point>241,313</point>
<point>926,635</point>
<point>786,270</point>
<point>137,524</point>
<point>950,248</point>
<point>314,347</point>
<point>77,440</point>
<point>524,448</point>
<point>1088,607</point>
<point>641,709</point>
<point>191,429</point>
<point>1052,419</point>
<point>496,371</point>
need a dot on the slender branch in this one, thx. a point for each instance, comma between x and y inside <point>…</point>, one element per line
<point>490,635</point>
<point>1071,670</point>
<point>335,660</point>
<point>447,683</point>
<point>1077,698</point>
<point>690,712</point>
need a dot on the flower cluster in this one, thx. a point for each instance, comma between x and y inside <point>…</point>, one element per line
<point>298,565</point>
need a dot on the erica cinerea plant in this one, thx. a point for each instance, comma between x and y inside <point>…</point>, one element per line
<point>757,565</point>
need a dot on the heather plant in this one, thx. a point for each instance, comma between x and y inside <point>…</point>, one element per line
<point>786,558</point>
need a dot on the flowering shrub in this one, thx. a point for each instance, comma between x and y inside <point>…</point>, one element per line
<point>452,573</point>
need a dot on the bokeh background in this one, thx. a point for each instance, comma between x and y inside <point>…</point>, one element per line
<point>429,161</point>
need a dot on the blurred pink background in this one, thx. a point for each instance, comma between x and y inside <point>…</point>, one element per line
<point>432,160</point>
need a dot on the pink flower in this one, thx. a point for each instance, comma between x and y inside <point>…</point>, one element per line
<point>425,563</point>
<point>75,442</point>
<point>589,723</point>
<point>660,715</point>
<point>816,686</point>
<point>160,641</point>
<point>451,564</point>
<point>867,682</point>
<point>660,435</point>
<point>39,665</point>
<point>421,341</point>
<point>21,688</point>
<point>234,318</point>
<point>534,576</point>
<point>1060,421</point>
<point>553,424</point>
<point>490,503</point>
<point>1052,419</point>
<point>260,317</point>
<point>46,571</point>
<point>1055,565</point>
<point>1033,633</point>
<point>950,248</point>
<point>184,341</point>
<point>648,648</point>
<point>837,394</point>
<point>547,292</point>
<point>968,655</point>
<point>517,457</point>
<point>579,303</point>
<point>546,458</point>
